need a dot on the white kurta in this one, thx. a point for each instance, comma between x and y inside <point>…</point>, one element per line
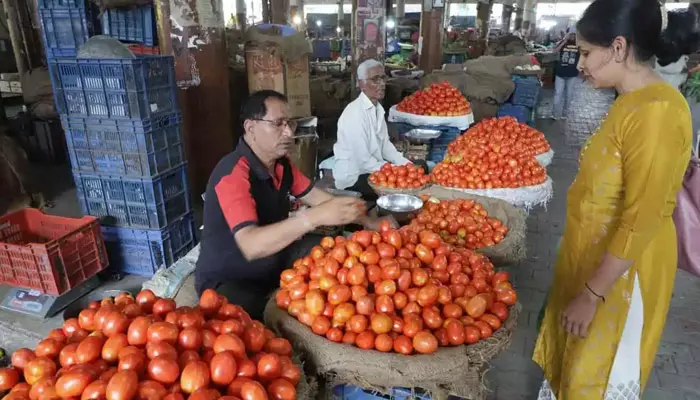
<point>363,144</point>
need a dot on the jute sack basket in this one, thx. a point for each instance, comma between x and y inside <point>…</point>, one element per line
<point>383,190</point>
<point>458,371</point>
<point>512,248</point>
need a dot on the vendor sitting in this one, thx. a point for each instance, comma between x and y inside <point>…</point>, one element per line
<point>249,237</point>
<point>363,144</point>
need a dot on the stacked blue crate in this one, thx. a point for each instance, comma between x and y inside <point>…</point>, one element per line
<point>524,100</point>
<point>438,147</point>
<point>351,392</point>
<point>122,127</point>
<point>132,24</point>
<point>65,25</point>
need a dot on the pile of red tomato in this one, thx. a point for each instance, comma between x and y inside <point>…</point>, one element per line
<point>400,176</point>
<point>496,153</point>
<point>396,290</point>
<point>459,222</point>
<point>145,348</point>
<point>439,100</point>
<point>506,133</point>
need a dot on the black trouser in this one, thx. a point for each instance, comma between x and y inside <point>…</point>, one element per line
<point>368,194</point>
<point>253,295</point>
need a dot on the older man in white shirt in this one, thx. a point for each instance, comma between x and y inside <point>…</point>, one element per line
<point>363,144</point>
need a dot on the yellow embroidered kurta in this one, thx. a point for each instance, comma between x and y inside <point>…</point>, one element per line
<point>621,202</point>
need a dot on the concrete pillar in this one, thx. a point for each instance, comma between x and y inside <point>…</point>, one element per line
<point>241,16</point>
<point>341,19</point>
<point>296,9</point>
<point>266,12</point>
<point>201,74</point>
<point>529,16</point>
<point>400,10</point>
<point>520,6</point>
<point>483,15</point>
<point>506,15</point>
<point>431,32</point>
<point>368,33</point>
<point>279,12</point>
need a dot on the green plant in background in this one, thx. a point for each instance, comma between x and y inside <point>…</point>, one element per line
<point>691,87</point>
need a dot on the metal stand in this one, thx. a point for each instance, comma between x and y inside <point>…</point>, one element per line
<point>35,304</point>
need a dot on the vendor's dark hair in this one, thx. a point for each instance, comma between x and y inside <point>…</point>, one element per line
<point>254,105</point>
<point>639,22</point>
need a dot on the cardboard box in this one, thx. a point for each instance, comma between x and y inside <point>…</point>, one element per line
<point>4,86</point>
<point>268,71</point>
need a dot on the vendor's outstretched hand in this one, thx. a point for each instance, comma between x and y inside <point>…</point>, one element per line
<point>340,210</point>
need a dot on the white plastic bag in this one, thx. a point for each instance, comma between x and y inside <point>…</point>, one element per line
<point>525,197</point>
<point>461,122</point>
<point>545,159</point>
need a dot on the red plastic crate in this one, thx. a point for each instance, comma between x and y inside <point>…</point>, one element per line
<point>47,253</point>
<point>141,49</point>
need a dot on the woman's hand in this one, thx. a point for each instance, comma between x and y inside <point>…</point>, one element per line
<point>579,314</point>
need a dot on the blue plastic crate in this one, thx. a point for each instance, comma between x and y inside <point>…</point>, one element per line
<point>64,30</point>
<point>143,251</point>
<point>437,152</point>
<point>134,202</point>
<point>139,148</point>
<point>522,113</point>
<point>134,88</point>
<point>61,4</point>
<point>134,24</point>
<point>350,392</point>
<point>527,91</point>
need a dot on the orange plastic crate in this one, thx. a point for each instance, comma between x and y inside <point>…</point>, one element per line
<point>47,253</point>
<point>141,49</point>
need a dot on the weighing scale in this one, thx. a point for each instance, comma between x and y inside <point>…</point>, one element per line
<point>35,304</point>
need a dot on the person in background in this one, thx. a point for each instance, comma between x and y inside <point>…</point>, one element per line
<point>249,237</point>
<point>614,275</point>
<point>565,74</point>
<point>363,144</point>
<point>671,62</point>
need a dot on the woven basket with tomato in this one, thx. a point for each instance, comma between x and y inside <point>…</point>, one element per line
<point>440,104</point>
<point>489,226</point>
<point>438,100</point>
<point>396,308</point>
<point>496,158</point>
<point>146,347</point>
<point>393,179</point>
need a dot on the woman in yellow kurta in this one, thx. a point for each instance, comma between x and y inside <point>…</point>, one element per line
<point>617,262</point>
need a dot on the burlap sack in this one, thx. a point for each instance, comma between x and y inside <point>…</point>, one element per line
<point>270,39</point>
<point>513,248</point>
<point>483,109</point>
<point>36,85</point>
<point>506,45</point>
<point>486,79</point>
<point>458,371</point>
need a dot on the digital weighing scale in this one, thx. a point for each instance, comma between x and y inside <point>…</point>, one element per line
<point>36,304</point>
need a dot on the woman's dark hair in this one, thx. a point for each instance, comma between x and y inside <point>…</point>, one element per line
<point>639,22</point>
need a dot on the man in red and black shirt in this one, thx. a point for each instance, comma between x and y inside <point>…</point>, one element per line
<point>248,236</point>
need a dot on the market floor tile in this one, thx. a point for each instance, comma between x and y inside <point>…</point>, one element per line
<point>514,375</point>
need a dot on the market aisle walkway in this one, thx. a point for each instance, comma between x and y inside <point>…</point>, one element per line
<point>515,376</point>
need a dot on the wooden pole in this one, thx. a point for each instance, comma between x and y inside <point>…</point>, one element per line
<point>192,31</point>
<point>15,35</point>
